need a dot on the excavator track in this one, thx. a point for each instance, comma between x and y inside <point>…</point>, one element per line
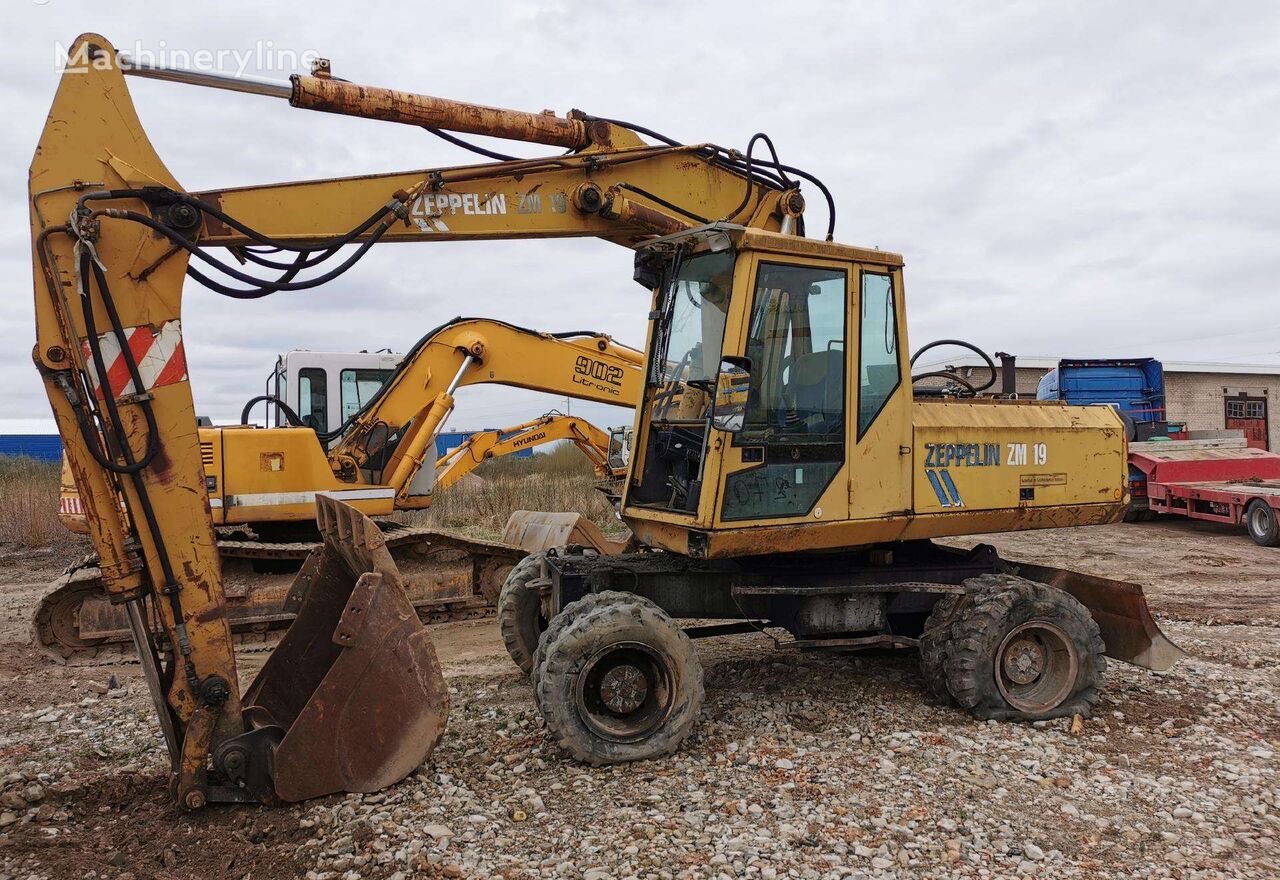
<point>447,577</point>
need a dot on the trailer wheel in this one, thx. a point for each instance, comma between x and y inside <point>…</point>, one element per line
<point>934,641</point>
<point>520,617</point>
<point>561,622</point>
<point>1023,651</point>
<point>1260,521</point>
<point>621,682</point>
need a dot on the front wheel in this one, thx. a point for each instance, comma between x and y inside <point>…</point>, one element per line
<point>622,682</point>
<point>1023,651</point>
<point>1261,523</point>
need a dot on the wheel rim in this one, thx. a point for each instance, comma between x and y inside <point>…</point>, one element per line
<point>1259,519</point>
<point>1036,666</point>
<point>625,692</point>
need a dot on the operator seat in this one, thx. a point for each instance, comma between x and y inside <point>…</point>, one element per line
<point>817,391</point>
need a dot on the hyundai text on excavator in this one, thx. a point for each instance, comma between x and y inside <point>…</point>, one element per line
<point>783,475</point>
<point>262,484</point>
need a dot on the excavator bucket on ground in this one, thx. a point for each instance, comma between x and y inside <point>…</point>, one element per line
<point>1120,609</point>
<point>354,687</point>
<point>536,530</point>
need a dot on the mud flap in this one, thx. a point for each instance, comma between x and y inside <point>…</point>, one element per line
<point>1120,609</point>
<point>354,686</point>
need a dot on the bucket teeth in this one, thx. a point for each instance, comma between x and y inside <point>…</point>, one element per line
<point>354,687</point>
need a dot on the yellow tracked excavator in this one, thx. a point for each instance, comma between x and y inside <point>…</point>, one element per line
<point>784,472</point>
<point>262,484</point>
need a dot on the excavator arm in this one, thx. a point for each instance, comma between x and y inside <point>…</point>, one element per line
<point>484,446</point>
<point>114,234</point>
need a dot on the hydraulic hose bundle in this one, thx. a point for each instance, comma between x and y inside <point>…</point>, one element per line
<point>966,388</point>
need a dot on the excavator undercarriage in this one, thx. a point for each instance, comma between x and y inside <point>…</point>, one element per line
<point>447,577</point>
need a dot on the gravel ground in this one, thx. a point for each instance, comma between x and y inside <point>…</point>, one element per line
<point>803,765</point>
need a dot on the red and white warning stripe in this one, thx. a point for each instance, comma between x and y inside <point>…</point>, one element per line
<point>159,355</point>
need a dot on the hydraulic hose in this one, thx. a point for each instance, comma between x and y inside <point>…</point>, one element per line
<point>970,388</point>
<point>290,416</point>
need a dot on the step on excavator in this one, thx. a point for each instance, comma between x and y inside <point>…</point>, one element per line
<point>262,484</point>
<point>784,474</point>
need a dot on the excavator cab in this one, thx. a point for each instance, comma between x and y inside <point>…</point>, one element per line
<point>754,394</point>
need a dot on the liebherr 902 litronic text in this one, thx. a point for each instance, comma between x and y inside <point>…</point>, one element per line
<point>783,473</point>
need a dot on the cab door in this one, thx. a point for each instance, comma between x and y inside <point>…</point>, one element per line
<point>879,473</point>
<point>788,461</point>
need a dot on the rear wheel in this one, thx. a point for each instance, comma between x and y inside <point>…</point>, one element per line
<point>620,682</point>
<point>1261,522</point>
<point>520,617</point>
<point>1023,651</point>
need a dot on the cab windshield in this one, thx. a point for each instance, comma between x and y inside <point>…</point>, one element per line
<point>689,333</point>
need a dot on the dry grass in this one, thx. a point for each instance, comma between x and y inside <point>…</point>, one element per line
<point>560,480</point>
<point>29,503</point>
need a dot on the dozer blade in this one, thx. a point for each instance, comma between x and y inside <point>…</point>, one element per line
<point>354,685</point>
<point>1120,609</point>
<point>535,530</point>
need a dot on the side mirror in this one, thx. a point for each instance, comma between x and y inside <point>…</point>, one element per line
<point>733,383</point>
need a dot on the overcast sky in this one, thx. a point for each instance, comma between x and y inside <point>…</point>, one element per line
<point>1079,179</point>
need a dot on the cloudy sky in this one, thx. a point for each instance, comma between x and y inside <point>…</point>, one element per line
<point>1074,179</point>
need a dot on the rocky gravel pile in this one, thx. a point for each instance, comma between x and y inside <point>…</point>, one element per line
<point>803,766</point>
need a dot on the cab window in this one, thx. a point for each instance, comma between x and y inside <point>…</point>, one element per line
<point>359,387</point>
<point>878,371</point>
<point>313,398</point>
<point>795,414</point>
<point>797,356</point>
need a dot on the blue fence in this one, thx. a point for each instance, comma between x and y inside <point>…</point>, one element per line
<point>46,447</point>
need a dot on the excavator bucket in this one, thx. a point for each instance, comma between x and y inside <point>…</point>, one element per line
<point>1120,609</point>
<point>534,530</point>
<point>354,685</point>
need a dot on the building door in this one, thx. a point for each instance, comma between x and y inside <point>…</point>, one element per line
<point>1249,414</point>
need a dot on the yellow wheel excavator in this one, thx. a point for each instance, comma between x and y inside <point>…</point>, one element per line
<point>784,472</point>
<point>262,484</point>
